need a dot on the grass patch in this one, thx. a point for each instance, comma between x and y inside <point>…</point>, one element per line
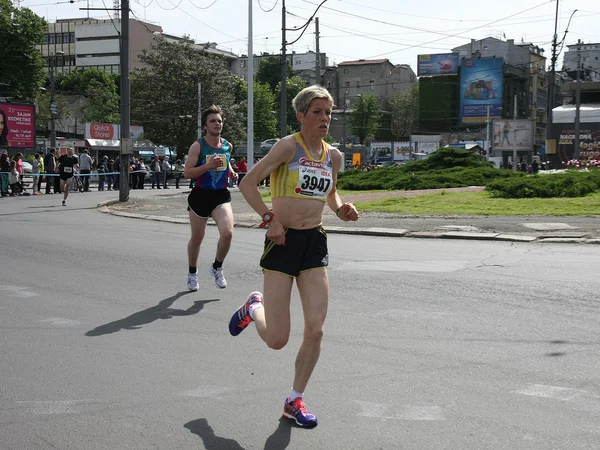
<point>482,203</point>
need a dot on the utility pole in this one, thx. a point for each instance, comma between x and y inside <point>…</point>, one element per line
<point>577,102</point>
<point>283,99</point>
<point>126,144</point>
<point>487,132</point>
<point>250,125</point>
<point>318,65</point>
<point>52,105</point>
<point>552,82</point>
<point>199,110</point>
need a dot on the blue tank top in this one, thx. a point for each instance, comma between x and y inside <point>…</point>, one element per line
<point>214,179</point>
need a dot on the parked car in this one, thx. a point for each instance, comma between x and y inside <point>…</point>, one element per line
<point>268,143</point>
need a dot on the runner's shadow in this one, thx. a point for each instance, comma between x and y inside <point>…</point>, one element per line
<point>280,438</point>
<point>160,311</point>
<point>211,441</point>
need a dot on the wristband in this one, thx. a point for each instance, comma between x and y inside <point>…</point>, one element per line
<point>337,211</point>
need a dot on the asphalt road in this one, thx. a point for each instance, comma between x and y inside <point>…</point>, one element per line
<point>429,344</point>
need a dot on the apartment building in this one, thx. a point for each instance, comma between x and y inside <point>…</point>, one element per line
<point>378,77</point>
<point>589,58</point>
<point>72,44</point>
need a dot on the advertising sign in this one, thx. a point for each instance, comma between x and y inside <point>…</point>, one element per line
<point>17,125</point>
<point>403,150</point>
<point>381,151</point>
<point>480,89</point>
<point>437,64</point>
<point>427,147</point>
<point>111,131</point>
<point>589,141</point>
<point>512,134</point>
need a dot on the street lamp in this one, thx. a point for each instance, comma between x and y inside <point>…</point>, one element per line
<point>344,122</point>
<point>52,62</point>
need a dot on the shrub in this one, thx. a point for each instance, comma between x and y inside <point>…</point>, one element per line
<point>570,184</point>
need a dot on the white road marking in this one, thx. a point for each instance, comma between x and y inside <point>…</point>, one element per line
<point>396,412</point>
<point>61,322</point>
<point>555,392</point>
<point>208,392</point>
<point>54,407</point>
<point>17,291</point>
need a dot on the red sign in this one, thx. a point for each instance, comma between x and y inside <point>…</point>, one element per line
<point>17,125</point>
<point>104,131</point>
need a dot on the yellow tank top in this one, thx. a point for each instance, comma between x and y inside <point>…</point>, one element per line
<point>303,176</point>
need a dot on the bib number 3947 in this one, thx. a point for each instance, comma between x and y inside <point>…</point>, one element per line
<point>315,183</point>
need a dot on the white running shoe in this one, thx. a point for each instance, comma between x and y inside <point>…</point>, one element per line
<point>220,280</point>
<point>193,281</point>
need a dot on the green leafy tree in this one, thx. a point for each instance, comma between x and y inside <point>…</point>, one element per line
<point>43,110</point>
<point>164,94</point>
<point>265,115</point>
<point>293,86</point>
<point>365,119</point>
<point>269,71</point>
<point>99,89</point>
<point>405,112</point>
<point>21,63</point>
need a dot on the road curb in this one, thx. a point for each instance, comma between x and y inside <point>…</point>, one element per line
<point>104,207</point>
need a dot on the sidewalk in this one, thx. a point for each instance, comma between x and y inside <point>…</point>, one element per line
<point>172,207</point>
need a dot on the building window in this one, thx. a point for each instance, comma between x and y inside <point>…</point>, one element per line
<point>51,38</point>
<point>242,63</point>
<point>58,38</point>
<point>372,84</point>
<point>372,69</point>
<point>329,83</point>
<point>358,85</point>
<point>72,37</point>
<point>346,71</point>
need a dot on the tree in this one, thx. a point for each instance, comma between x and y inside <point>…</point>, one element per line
<point>99,89</point>
<point>293,86</point>
<point>43,110</point>
<point>269,71</point>
<point>405,112</point>
<point>265,114</point>
<point>164,94</point>
<point>21,64</point>
<point>365,119</point>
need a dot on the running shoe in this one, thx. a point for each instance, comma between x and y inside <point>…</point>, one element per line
<point>296,410</point>
<point>241,318</point>
<point>193,281</point>
<point>220,280</point>
<point>64,203</point>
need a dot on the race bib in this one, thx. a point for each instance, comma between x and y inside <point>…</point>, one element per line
<point>67,169</point>
<point>314,182</point>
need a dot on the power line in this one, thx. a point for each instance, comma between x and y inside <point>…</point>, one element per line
<point>203,7</point>
<point>268,10</point>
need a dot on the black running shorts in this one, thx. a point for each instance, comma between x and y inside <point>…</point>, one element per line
<point>203,201</point>
<point>66,176</point>
<point>303,250</point>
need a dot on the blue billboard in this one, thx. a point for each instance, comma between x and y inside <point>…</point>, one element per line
<point>480,88</point>
<point>437,64</point>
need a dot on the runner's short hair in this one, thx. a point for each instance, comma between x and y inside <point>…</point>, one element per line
<point>305,97</point>
<point>212,109</point>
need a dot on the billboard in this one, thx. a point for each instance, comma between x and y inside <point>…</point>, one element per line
<point>403,150</point>
<point>480,89</point>
<point>17,125</point>
<point>111,131</point>
<point>589,141</point>
<point>512,134</point>
<point>437,64</point>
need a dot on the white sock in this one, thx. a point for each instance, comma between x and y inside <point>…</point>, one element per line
<point>294,395</point>
<point>254,306</point>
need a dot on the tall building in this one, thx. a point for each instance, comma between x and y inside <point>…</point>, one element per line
<point>589,56</point>
<point>77,43</point>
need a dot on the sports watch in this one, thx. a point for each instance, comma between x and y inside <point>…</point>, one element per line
<point>267,219</point>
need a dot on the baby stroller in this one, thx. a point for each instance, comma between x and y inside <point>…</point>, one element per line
<point>77,183</point>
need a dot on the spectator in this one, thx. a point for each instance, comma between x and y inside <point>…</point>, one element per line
<point>155,168</point>
<point>166,168</point>
<point>242,168</point>
<point>178,172</point>
<point>50,166</point>
<point>101,177</point>
<point>4,172</point>
<point>141,174</point>
<point>37,168</point>
<point>110,168</point>
<point>85,169</point>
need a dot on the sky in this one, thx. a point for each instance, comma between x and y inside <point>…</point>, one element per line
<point>355,29</point>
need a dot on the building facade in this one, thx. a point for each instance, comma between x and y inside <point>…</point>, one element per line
<point>304,64</point>
<point>589,57</point>
<point>72,44</point>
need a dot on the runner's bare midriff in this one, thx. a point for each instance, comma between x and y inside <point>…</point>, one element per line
<point>298,213</point>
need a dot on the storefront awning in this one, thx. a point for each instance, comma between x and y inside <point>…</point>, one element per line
<point>100,144</point>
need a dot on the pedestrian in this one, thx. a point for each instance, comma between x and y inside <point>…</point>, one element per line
<point>4,173</point>
<point>242,169</point>
<point>304,172</point>
<point>37,169</point>
<point>209,163</point>
<point>66,163</point>
<point>178,172</point>
<point>141,173</point>
<point>155,167</point>
<point>101,176</point>
<point>110,168</point>
<point>85,169</point>
<point>13,179</point>
<point>50,166</point>
<point>166,169</point>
